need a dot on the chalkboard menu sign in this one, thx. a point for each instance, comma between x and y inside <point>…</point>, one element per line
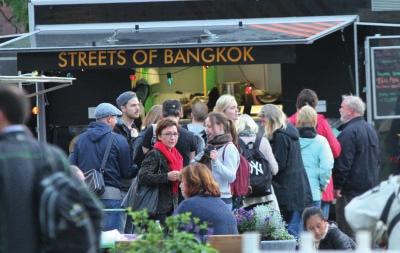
<point>386,82</point>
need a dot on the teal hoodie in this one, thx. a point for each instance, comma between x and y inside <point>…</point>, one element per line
<point>318,163</point>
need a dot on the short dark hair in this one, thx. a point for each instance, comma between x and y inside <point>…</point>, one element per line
<point>311,211</point>
<point>199,111</point>
<point>171,108</point>
<point>164,123</point>
<point>14,104</point>
<point>307,97</point>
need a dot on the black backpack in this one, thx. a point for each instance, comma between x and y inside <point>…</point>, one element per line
<point>260,172</point>
<point>69,216</point>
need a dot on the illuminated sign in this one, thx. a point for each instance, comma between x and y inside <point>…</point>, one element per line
<point>164,57</point>
<point>149,57</point>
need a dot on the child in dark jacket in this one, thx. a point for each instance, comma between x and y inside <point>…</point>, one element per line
<point>327,235</point>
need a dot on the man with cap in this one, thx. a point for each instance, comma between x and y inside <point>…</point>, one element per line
<point>88,154</point>
<point>187,142</point>
<point>129,104</point>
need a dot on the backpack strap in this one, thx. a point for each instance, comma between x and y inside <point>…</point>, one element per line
<point>386,209</point>
<point>257,142</point>
<point>242,145</point>
<point>107,153</point>
<point>393,223</point>
<point>223,151</point>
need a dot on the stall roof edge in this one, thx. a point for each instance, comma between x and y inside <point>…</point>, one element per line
<point>179,34</point>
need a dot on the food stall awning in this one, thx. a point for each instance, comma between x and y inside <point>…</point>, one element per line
<point>148,41</point>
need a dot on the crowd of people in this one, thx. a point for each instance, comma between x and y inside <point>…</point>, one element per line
<point>193,166</point>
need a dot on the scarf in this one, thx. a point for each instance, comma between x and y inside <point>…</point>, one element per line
<point>174,159</point>
<point>307,132</point>
<point>215,143</point>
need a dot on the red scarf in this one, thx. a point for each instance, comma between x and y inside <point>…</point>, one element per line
<point>174,159</point>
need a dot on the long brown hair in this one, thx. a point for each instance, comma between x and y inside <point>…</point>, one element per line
<point>199,181</point>
<point>220,118</point>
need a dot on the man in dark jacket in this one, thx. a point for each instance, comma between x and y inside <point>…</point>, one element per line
<point>88,154</point>
<point>129,105</point>
<point>21,164</point>
<point>356,169</point>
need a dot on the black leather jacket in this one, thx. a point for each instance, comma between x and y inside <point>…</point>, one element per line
<point>154,172</point>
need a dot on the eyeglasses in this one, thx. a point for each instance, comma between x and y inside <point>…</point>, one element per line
<point>169,135</point>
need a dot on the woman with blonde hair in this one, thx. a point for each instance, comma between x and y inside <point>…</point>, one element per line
<point>315,151</point>
<point>201,193</point>
<point>247,130</point>
<point>309,97</point>
<point>227,105</point>
<point>291,183</point>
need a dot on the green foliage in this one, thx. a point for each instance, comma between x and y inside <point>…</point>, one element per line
<point>19,10</point>
<point>171,238</point>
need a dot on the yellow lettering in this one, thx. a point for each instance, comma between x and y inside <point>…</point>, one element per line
<point>195,57</point>
<point>72,57</point>
<point>121,58</point>
<point>135,57</point>
<point>180,57</point>
<point>102,57</point>
<point>153,55</point>
<point>168,58</point>
<point>82,59</point>
<point>247,54</point>
<point>92,58</point>
<point>239,54</point>
<point>62,61</point>
<point>111,53</point>
<point>220,55</point>
<point>211,56</point>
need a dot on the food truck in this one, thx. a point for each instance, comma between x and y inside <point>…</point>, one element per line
<point>183,49</point>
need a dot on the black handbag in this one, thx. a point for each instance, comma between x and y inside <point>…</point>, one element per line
<point>94,178</point>
<point>141,196</point>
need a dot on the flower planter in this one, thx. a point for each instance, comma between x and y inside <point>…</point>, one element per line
<point>288,245</point>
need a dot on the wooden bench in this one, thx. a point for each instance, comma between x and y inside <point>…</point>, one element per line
<point>226,243</point>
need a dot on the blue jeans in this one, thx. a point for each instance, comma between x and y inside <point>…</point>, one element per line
<point>317,203</point>
<point>294,222</point>
<point>112,220</point>
<point>325,206</point>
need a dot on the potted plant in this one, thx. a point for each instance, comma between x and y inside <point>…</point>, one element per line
<point>267,221</point>
<point>180,234</point>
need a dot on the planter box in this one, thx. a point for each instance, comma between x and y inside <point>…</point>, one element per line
<point>287,245</point>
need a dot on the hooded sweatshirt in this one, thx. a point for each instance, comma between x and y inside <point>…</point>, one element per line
<point>291,184</point>
<point>90,148</point>
<point>318,160</point>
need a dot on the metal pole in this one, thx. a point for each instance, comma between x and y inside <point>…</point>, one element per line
<point>41,116</point>
<point>368,79</point>
<point>355,37</point>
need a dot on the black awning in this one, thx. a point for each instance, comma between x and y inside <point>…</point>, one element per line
<point>204,42</point>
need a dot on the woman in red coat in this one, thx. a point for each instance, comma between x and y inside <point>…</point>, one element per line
<point>309,97</point>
